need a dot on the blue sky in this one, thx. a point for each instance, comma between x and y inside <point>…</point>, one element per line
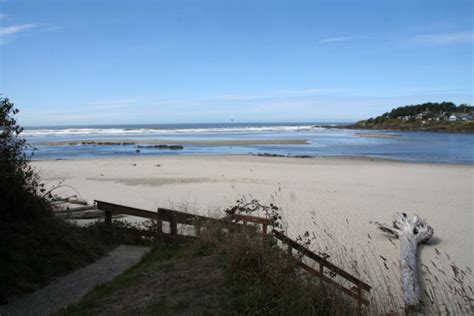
<point>116,62</point>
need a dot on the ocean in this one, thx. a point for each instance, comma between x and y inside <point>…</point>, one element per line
<point>321,140</point>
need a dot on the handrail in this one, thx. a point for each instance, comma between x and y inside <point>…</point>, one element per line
<point>320,260</point>
<point>249,218</point>
<point>110,208</point>
<point>175,217</point>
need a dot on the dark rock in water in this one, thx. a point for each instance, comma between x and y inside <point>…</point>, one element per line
<point>175,147</point>
<point>302,156</point>
<point>170,147</point>
<point>137,151</point>
<point>287,156</point>
<point>269,155</point>
<point>95,143</point>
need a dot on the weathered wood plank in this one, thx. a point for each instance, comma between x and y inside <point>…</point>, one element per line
<point>321,260</point>
<point>332,282</point>
<point>121,209</point>
<point>75,209</point>
<point>249,218</point>
<point>183,218</point>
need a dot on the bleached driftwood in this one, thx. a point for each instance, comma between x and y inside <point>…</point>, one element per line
<point>411,233</point>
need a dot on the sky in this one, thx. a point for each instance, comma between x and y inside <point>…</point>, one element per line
<point>80,62</point>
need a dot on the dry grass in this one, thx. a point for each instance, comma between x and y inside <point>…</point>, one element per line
<point>447,287</point>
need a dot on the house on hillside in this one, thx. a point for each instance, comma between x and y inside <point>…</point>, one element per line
<point>426,115</point>
<point>461,117</point>
<point>442,117</point>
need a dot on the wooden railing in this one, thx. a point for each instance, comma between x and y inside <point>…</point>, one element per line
<point>354,291</point>
<point>265,222</point>
<point>232,221</point>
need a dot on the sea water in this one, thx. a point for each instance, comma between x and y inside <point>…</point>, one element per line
<point>323,140</point>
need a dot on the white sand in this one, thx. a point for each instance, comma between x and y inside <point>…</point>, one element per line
<point>345,193</point>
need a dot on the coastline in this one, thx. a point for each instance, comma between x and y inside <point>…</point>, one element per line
<point>132,141</point>
<point>409,128</point>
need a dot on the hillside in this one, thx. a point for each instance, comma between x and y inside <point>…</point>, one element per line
<point>436,117</point>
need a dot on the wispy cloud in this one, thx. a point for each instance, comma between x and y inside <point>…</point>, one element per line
<point>2,16</point>
<point>13,29</point>
<point>6,32</point>
<point>233,97</point>
<point>445,38</point>
<point>298,91</point>
<point>339,39</point>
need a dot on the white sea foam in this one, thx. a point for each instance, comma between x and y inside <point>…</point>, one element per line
<point>157,131</point>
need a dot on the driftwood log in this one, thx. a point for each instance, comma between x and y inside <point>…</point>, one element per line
<point>411,232</point>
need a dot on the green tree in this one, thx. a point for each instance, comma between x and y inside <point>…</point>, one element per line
<point>21,193</point>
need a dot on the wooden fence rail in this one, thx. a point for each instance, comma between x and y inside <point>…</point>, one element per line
<point>359,285</point>
<point>175,217</point>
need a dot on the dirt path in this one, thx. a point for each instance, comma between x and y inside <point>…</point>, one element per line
<point>72,287</point>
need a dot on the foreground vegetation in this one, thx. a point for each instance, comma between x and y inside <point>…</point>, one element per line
<point>36,246</point>
<point>243,273</point>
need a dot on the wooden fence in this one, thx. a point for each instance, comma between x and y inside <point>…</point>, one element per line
<point>175,217</point>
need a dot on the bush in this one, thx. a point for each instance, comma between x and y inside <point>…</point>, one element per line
<point>20,189</point>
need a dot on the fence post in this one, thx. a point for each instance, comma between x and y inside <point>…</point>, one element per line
<point>159,225</point>
<point>359,300</point>
<point>290,250</point>
<point>108,218</point>
<point>264,228</point>
<point>173,226</point>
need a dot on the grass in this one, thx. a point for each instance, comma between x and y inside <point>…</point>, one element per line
<point>264,280</point>
<point>248,273</point>
<point>240,273</point>
<point>91,304</point>
<point>171,279</point>
<point>446,286</point>
<point>32,253</point>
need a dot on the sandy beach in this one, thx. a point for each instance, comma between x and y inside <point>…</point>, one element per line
<point>334,198</point>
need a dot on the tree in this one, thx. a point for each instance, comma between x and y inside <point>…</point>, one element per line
<point>20,189</point>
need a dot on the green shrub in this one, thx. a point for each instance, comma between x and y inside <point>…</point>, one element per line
<point>21,196</point>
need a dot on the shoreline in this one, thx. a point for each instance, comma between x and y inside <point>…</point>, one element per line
<point>100,142</point>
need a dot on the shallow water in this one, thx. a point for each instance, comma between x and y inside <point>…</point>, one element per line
<point>405,146</point>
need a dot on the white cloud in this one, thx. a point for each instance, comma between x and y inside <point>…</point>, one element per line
<point>339,39</point>
<point>445,38</point>
<point>51,27</point>
<point>7,31</point>
<point>13,29</point>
